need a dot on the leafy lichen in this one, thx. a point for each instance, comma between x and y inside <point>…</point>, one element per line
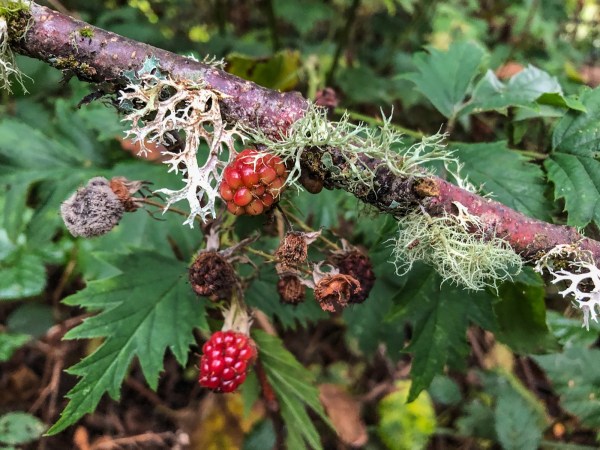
<point>164,110</point>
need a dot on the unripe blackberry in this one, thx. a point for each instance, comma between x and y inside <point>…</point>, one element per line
<point>291,290</point>
<point>292,252</point>
<point>226,358</point>
<point>359,266</point>
<point>93,210</point>
<point>212,276</point>
<point>252,182</point>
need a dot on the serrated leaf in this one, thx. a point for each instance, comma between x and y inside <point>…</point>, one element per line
<point>445,77</point>
<point>521,314</point>
<point>146,309</point>
<point>523,89</point>
<point>20,428</point>
<point>295,389</point>
<point>517,427</point>
<point>440,316</point>
<point>575,375</point>
<point>573,166</point>
<point>519,416</point>
<point>569,332</point>
<point>507,175</point>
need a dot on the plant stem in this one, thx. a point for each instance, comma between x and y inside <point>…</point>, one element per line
<point>343,37</point>
<point>272,21</point>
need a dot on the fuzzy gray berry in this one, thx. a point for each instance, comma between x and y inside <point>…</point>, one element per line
<point>93,210</point>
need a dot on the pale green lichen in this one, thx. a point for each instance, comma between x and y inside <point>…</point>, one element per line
<point>9,9</point>
<point>355,141</point>
<point>460,247</point>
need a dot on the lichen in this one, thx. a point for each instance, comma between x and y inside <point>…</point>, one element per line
<point>460,247</point>
<point>173,112</point>
<point>570,264</point>
<point>12,13</point>
<point>357,143</point>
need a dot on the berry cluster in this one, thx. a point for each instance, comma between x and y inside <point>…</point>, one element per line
<point>252,182</point>
<point>226,358</point>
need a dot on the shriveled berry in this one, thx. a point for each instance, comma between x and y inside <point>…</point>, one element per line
<point>212,276</point>
<point>226,358</point>
<point>253,182</point>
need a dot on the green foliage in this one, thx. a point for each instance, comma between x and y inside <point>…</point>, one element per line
<point>575,374</point>
<point>506,176</point>
<point>9,342</point>
<point>295,390</point>
<point>521,314</point>
<point>141,315</point>
<point>573,166</point>
<point>17,428</point>
<point>402,425</point>
<point>445,77</point>
<point>439,316</point>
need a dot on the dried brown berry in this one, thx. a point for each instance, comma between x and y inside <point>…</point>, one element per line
<point>124,189</point>
<point>357,265</point>
<point>292,252</point>
<point>333,292</point>
<point>212,276</point>
<point>93,210</point>
<point>291,290</point>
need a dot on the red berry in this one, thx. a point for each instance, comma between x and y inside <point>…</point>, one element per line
<point>226,358</point>
<point>252,182</point>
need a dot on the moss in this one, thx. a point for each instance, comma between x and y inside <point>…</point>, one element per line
<point>70,63</point>
<point>18,22</point>
<point>86,32</point>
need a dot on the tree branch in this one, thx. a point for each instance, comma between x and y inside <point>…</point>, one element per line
<point>103,58</point>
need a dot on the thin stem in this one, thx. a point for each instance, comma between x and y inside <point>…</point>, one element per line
<point>305,227</point>
<point>272,21</point>
<point>378,122</point>
<point>343,37</point>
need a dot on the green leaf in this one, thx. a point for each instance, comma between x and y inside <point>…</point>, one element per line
<point>569,332</point>
<point>573,166</point>
<point>33,319</point>
<point>445,77</point>
<point>491,94</point>
<point>517,426</point>
<point>445,391</point>
<point>507,175</point>
<point>402,425</point>
<point>20,428</point>
<point>10,342</point>
<point>278,72</point>
<point>146,309</point>
<point>295,390</point>
<point>575,375</point>
<point>477,421</point>
<point>440,316</point>
<point>521,314</point>
<point>519,416</point>
<point>562,101</point>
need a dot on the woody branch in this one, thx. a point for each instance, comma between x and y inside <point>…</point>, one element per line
<point>56,39</point>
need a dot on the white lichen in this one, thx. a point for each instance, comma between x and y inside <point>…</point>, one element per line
<point>581,274</point>
<point>8,66</point>
<point>181,113</point>
<point>356,142</point>
<point>461,248</point>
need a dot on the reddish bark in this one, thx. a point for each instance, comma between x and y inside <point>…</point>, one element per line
<point>56,39</point>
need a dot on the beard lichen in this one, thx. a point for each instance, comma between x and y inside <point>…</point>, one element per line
<point>357,143</point>
<point>460,247</point>
<point>570,264</point>
<point>9,11</point>
<point>181,115</point>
